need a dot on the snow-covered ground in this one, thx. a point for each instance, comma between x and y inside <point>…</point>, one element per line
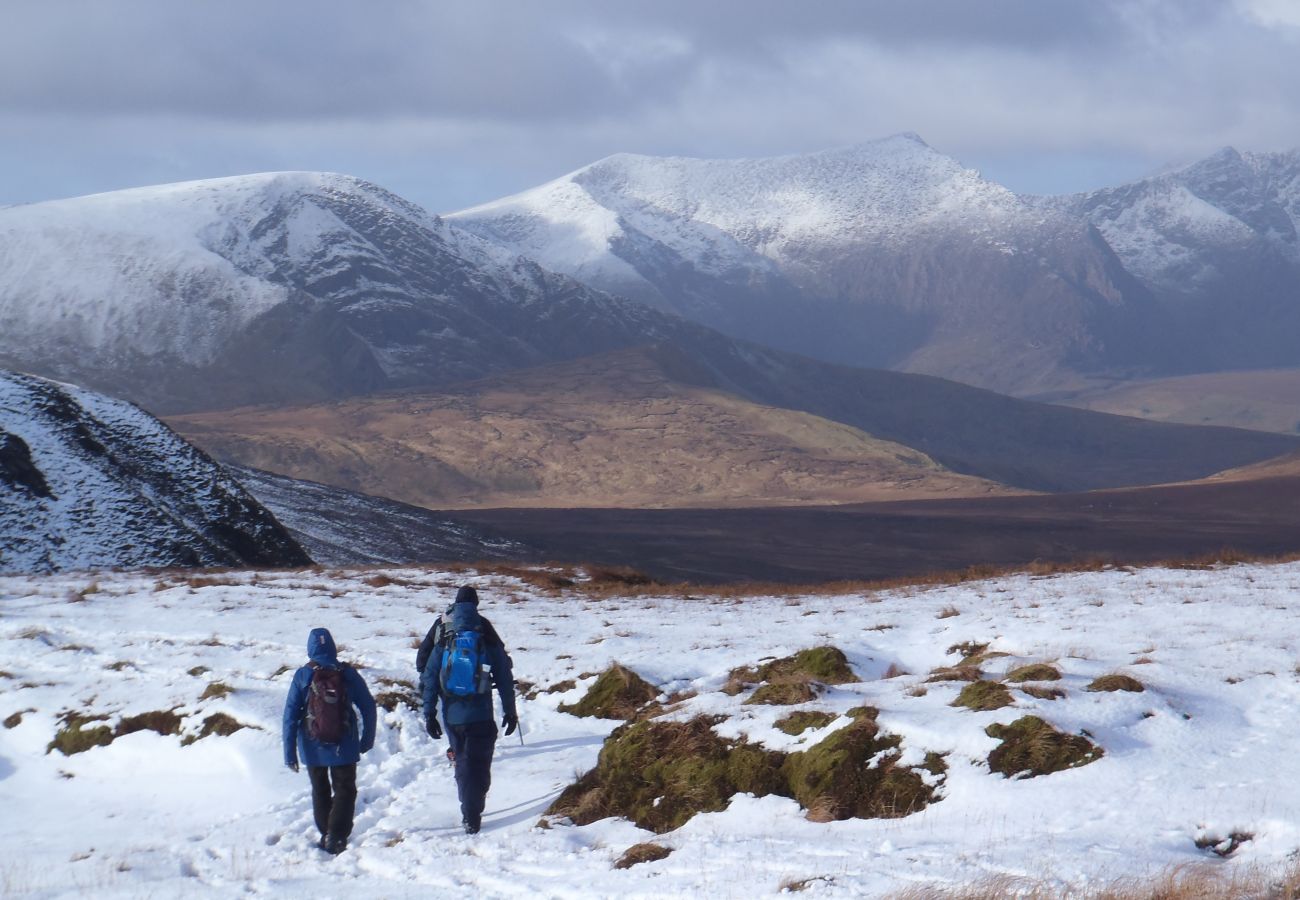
<point>1208,748</point>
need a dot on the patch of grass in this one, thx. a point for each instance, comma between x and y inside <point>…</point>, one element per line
<point>948,612</point>
<point>1034,672</point>
<point>276,674</point>
<point>15,719</point>
<point>894,671</point>
<point>560,687</point>
<point>788,691</point>
<point>219,724</point>
<point>619,693</point>
<point>119,666</point>
<point>967,649</point>
<point>199,670</point>
<point>216,690</point>
<point>659,774</point>
<point>75,737</point>
<point>160,721</point>
<point>800,721</point>
<point>854,773</point>
<point>1224,847</point>
<point>390,700</point>
<point>642,853</point>
<point>1043,693</point>
<point>799,885</point>
<point>955,673</point>
<point>983,696</point>
<point>1116,681</point>
<point>1030,747</point>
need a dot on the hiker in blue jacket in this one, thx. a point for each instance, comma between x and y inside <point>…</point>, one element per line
<point>471,725</point>
<point>331,764</point>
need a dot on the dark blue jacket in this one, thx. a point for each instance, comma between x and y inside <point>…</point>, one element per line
<point>477,707</point>
<point>298,747</point>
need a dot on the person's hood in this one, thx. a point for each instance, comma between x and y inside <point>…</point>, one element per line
<point>321,649</point>
<point>465,616</point>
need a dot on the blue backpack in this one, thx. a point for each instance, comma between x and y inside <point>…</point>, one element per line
<point>462,673</point>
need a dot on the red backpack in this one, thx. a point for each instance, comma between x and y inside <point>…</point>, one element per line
<point>327,705</point>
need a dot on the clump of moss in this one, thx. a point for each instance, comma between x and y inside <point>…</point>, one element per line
<point>1116,681</point>
<point>800,721</point>
<point>1034,672</point>
<point>617,694</point>
<point>983,696</point>
<point>1030,747</point>
<point>161,721</point>
<point>560,687</point>
<point>854,773</point>
<point>642,853</point>
<point>659,774</point>
<point>75,737</point>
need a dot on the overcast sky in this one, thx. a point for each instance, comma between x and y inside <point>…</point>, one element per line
<point>450,104</point>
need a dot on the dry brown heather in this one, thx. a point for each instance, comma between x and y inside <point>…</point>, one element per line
<point>562,437</point>
<point>1265,400</point>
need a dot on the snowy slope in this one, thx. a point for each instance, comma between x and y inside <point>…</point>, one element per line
<point>884,254</point>
<point>278,286</point>
<point>1173,229</point>
<point>87,481</point>
<point>1206,749</point>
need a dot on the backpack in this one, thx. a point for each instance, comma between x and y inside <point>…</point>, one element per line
<point>461,673</point>
<point>327,705</point>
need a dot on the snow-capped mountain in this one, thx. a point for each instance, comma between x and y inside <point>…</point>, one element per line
<point>87,481</point>
<point>1217,242</point>
<point>272,287</point>
<point>884,254</point>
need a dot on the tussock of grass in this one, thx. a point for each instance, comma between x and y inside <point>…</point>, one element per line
<point>659,774</point>
<point>800,721</point>
<point>198,670</point>
<point>1116,681</point>
<point>983,696</point>
<point>159,720</point>
<point>1034,672</point>
<point>792,679</point>
<point>15,719</point>
<point>219,724</point>
<point>390,700</point>
<point>1030,747</point>
<point>619,693</point>
<point>216,690</point>
<point>75,737</point>
<point>955,673</point>
<point>1043,693</point>
<point>642,853</point>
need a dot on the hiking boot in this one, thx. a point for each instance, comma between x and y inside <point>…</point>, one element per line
<point>335,845</point>
<point>323,843</point>
<point>471,825</point>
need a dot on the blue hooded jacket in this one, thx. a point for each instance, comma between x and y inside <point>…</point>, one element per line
<point>298,747</point>
<point>477,707</point>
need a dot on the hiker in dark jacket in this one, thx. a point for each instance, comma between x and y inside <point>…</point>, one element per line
<point>332,767</point>
<point>471,726</point>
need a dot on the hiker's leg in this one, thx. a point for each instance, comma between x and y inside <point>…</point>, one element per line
<point>456,741</point>
<point>474,774</point>
<point>345,800</point>
<point>321,798</point>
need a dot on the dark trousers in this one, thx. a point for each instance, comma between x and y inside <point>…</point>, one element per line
<point>473,745</point>
<point>333,808</point>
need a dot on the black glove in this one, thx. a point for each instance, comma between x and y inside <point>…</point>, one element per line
<point>292,766</point>
<point>510,722</point>
<point>431,725</point>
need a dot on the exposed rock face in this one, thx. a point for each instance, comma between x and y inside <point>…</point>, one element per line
<point>887,254</point>
<point>89,482</point>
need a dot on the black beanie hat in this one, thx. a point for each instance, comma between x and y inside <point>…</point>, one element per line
<point>467,595</point>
